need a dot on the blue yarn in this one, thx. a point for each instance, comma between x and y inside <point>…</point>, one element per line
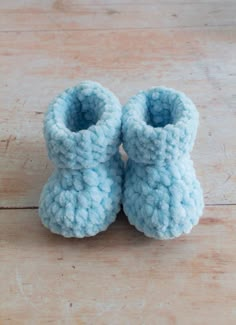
<point>162,196</point>
<point>82,129</point>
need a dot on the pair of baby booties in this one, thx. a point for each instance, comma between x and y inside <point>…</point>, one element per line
<point>158,188</point>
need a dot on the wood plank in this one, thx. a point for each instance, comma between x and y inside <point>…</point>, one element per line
<point>47,278</point>
<point>31,15</point>
<point>36,66</point>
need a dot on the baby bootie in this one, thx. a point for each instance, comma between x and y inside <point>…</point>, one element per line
<point>82,129</point>
<point>162,196</point>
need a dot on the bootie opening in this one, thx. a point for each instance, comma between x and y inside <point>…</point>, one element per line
<point>159,124</point>
<point>82,126</point>
<point>79,118</point>
<point>84,111</point>
<point>161,108</point>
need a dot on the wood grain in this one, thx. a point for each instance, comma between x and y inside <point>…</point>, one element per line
<point>82,15</point>
<point>119,276</point>
<point>36,66</point>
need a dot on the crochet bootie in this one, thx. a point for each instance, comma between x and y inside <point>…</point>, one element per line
<point>82,129</point>
<point>162,196</point>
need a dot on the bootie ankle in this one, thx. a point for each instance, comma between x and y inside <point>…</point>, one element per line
<point>162,196</point>
<point>82,130</point>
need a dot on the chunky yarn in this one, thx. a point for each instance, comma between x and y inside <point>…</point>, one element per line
<point>162,196</point>
<point>82,129</point>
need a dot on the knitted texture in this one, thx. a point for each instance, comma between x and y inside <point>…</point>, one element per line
<point>82,129</point>
<point>162,196</point>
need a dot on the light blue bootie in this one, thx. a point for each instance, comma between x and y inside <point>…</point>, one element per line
<point>82,129</point>
<point>162,196</point>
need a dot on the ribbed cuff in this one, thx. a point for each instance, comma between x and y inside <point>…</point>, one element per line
<point>82,126</point>
<point>159,125</point>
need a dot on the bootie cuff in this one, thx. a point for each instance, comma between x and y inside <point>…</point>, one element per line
<point>159,125</point>
<point>82,126</point>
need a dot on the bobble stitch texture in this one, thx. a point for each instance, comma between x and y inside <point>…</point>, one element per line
<point>162,196</point>
<point>82,129</point>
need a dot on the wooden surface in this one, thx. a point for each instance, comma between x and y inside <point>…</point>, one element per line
<point>118,277</point>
